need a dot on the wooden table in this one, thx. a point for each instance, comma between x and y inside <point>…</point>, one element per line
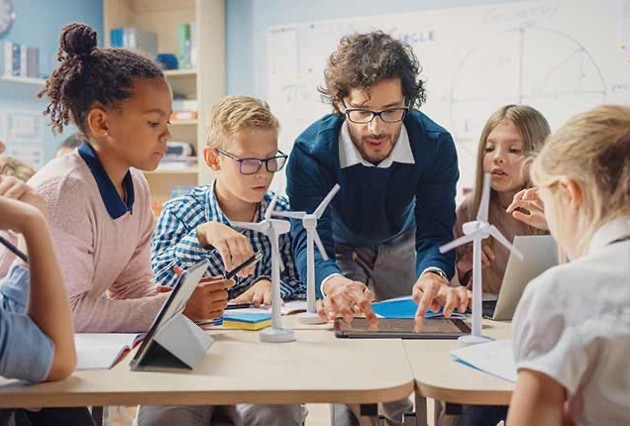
<point>438,376</point>
<point>317,368</point>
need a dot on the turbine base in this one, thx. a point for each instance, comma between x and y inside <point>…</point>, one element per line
<point>277,335</point>
<point>470,340</point>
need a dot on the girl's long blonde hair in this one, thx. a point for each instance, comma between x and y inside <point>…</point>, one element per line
<point>533,128</point>
<point>593,150</point>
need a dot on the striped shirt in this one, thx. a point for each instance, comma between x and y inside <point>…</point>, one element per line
<point>175,243</point>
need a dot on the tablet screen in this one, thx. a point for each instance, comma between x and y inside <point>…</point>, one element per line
<point>433,328</point>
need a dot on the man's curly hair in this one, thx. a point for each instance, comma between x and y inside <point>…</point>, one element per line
<point>362,60</point>
<point>90,76</point>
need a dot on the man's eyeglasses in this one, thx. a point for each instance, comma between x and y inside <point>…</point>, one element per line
<point>250,166</point>
<point>364,116</point>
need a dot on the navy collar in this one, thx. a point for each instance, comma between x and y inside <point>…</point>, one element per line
<point>114,204</point>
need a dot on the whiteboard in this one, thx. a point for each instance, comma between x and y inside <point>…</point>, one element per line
<point>559,56</point>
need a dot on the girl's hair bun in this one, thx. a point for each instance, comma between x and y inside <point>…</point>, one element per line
<point>77,40</point>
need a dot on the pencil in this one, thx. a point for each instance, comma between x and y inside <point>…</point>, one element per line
<point>14,249</point>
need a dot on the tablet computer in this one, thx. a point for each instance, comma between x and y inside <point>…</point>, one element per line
<point>176,303</point>
<point>402,328</point>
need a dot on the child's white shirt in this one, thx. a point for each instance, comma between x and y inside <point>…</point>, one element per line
<point>573,325</point>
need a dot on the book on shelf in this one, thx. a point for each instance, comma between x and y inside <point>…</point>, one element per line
<point>187,46</point>
<point>134,39</point>
<point>183,116</point>
<point>20,61</point>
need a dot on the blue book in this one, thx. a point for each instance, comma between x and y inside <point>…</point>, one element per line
<point>405,307</point>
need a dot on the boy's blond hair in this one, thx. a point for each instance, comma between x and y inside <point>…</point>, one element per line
<point>592,149</point>
<point>235,113</point>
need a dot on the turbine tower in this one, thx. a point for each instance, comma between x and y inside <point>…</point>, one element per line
<point>476,231</point>
<point>309,221</point>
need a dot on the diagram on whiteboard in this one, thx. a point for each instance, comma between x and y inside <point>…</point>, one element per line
<point>474,60</point>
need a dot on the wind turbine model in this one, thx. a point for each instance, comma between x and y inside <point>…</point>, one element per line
<point>476,231</point>
<point>309,221</point>
<point>272,228</point>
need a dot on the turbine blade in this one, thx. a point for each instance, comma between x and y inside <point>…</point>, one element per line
<point>271,206</point>
<point>458,242</point>
<point>255,226</point>
<point>320,245</point>
<point>500,238</point>
<point>294,215</point>
<point>322,206</point>
<point>482,214</point>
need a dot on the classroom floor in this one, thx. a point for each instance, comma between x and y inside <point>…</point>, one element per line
<point>318,415</point>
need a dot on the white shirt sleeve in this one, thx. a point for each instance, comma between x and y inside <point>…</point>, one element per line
<point>543,341</point>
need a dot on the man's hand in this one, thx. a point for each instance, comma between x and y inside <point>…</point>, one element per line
<point>258,294</point>
<point>432,291</point>
<point>208,300</point>
<point>346,297</point>
<point>233,246</point>
<point>529,200</point>
<point>12,187</point>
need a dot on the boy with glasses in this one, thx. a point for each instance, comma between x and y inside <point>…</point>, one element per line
<point>397,170</point>
<point>242,150</point>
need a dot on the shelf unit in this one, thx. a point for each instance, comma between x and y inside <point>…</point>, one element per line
<point>206,84</point>
<point>23,80</point>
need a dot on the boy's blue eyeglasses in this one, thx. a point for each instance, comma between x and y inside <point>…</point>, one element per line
<point>250,166</point>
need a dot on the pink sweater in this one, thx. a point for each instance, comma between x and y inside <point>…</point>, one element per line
<point>105,262</point>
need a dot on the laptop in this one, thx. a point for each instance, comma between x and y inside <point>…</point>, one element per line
<point>539,254</point>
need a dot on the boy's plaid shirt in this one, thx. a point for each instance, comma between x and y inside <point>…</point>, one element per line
<point>175,242</point>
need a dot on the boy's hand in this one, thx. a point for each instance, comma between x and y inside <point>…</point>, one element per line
<point>208,300</point>
<point>529,200</point>
<point>258,294</point>
<point>233,246</point>
<point>19,216</point>
<point>12,187</point>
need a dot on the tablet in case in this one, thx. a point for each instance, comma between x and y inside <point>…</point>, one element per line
<point>174,341</point>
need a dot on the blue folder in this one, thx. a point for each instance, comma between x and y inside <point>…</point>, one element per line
<point>405,307</point>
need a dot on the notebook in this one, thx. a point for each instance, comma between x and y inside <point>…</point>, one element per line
<point>289,308</point>
<point>495,358</point>
<point>406,307</point>
<point>103,350</point>
<point>246,321</point>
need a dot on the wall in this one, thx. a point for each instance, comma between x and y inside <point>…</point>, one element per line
<point>248,21</point>
<point>38,23</point>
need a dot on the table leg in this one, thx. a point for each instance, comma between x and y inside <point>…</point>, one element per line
<point>97,415</point>
<point>421,410</point>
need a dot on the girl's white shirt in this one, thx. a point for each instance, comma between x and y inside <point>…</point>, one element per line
<point>573,325</point>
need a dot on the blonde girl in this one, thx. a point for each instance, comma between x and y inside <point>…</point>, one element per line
<point>572,326</point>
